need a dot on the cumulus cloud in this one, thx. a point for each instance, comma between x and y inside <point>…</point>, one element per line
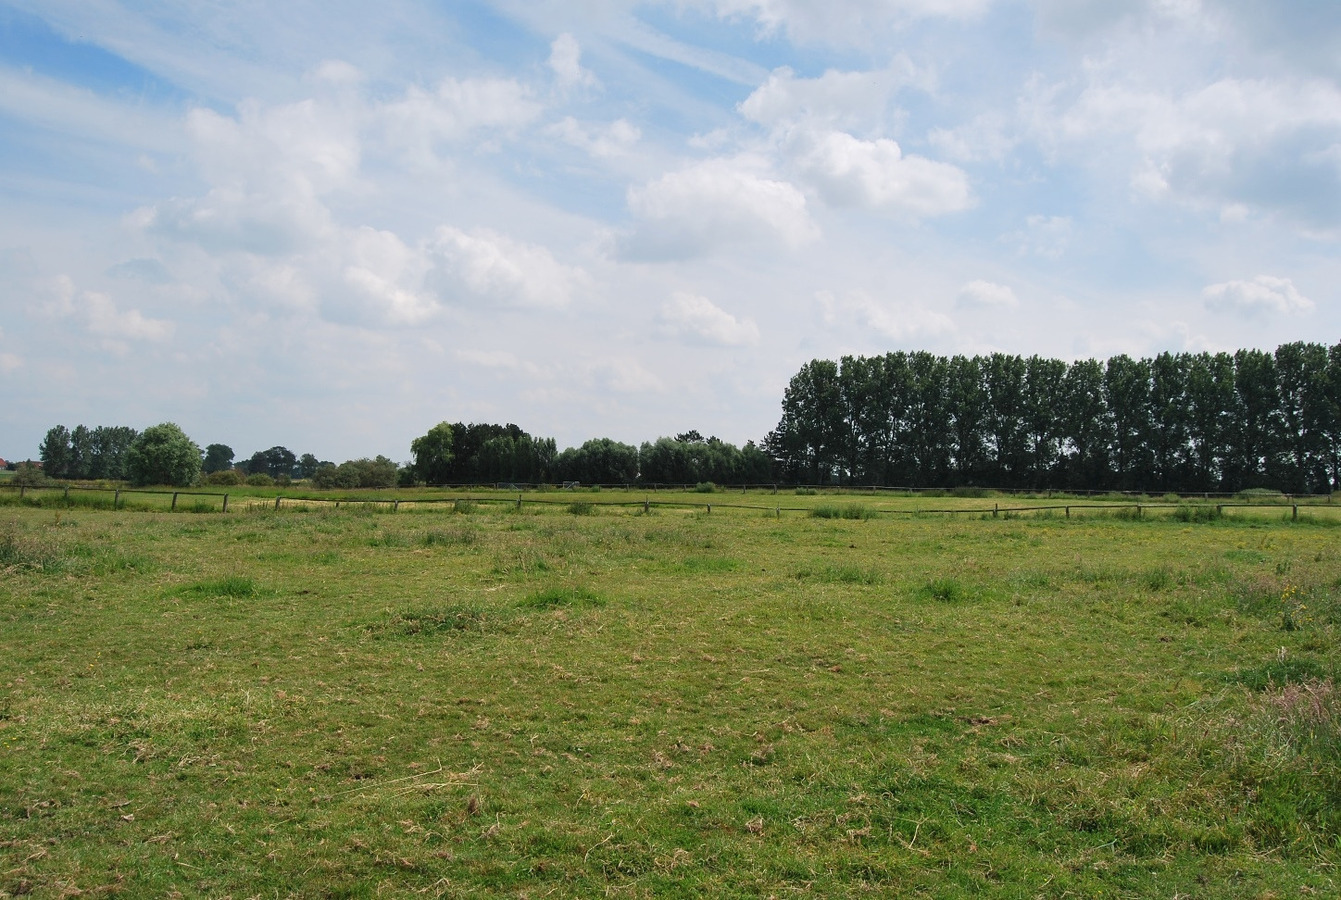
<point>699,319</point>
<point>988,136</point>
<point>565,59</point>
<point>711,206</point>
<point>99,313</point>
<point>602,142</point>
<point>484,267</point>
<point>839,21</point>
<point>846,171</point>
<point>1265,295</point>
<point>985,294</point>
<point>422,120</point>
<point>1231,145</point>
<point>1046,236</point>
<point>837,99</point>
<point>897,321</point>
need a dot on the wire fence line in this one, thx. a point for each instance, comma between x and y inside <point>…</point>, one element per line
<point>647,504</point>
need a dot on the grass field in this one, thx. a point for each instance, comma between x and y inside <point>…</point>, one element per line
<point>579,700</point>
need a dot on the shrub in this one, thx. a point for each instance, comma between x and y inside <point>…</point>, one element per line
<point>705,487</point>
<point>30,475</point>
<point>260,479</point>
<point>582,509</point>
<point>226,478</point>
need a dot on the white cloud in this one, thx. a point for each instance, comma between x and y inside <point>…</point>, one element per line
<point>1264,295</point>
<point>1232,144</point>
<point>840,21</point>
<point>9,362</point>
<point>1045,236</point>
<point>897,321</point>
<point>565,59</point>
<point>699,319</point>
<point>847,171</point>
<point>602,142</point>
<point>625,376</point>
<point>456,109</point>
<point>985,294</point>
<point>98,313</point>
<point>712,206</point>
<point>483,266</point>
<point>988,136</point>
<point>836,99</point>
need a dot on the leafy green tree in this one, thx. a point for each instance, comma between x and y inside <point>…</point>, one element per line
<point>81,460</point>
<point>1210,418</point>
<point>1127,393</point>
<point>54,451</point>
<point>111,443</point>
<point>1087,426</point>
<point>218,458</point>
<point>276,462</point>
<point>600,461</point>
<point>307,466</point>
<point>163,454</point>
<point>433,454</point>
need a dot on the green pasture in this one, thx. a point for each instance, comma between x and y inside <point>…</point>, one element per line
<point>824,696</point>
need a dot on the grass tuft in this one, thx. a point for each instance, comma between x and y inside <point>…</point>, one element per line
<point>562,597</point>
<point>235,586</point>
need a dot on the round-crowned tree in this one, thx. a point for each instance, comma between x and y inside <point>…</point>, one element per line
<point>163,454</point>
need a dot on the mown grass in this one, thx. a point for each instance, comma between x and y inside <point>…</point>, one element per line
<point>354,703</point>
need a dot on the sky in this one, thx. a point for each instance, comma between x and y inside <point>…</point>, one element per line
<point>331,225</point>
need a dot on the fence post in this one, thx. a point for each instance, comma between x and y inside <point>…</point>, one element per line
<point>778,511</point>
<point>1068,512</point>
<point>23,489</point>
<point>67,492</point>
<point>647,506</point>
<point>116,500</point>
<point>996,507</point>
<point>709,509</point>
<point>1294,514</point>
<point>225,509</point>
<point>395,505</point>
<point>519,502</point>
<point>1138,510</point>
<point>174,502</point>
<point>277,499</point>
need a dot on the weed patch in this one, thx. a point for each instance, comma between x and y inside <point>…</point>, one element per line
<point>431,620</point>
<point>946,590</point>
<point>239,587</point>
<point>561,598</point>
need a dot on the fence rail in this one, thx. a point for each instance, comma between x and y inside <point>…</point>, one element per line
<point>250,501</point>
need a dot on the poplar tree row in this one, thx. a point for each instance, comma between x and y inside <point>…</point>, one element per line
<point>1178,422</point>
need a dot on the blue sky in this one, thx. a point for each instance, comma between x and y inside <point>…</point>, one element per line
<point>331,227</point>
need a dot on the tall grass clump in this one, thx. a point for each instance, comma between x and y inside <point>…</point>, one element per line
<point>235,586</point>
<point>582,509</point>
<point>1198,513</point>
<point>1305,718</point>
<point>561,597</point>
<point>16,553</point>
<point>835,511</point>
<point>945,590</point>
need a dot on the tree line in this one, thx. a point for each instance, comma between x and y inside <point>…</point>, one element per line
<point>1177,422</point>
<point>456,453</point>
